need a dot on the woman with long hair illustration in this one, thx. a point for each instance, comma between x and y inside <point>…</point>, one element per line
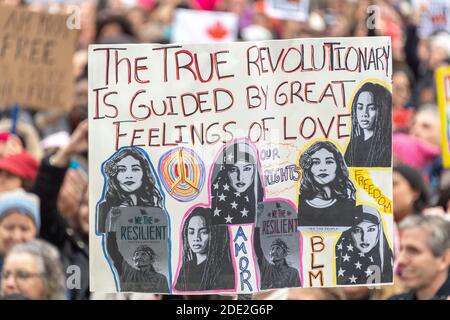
<point>206,262</point>
<point>129,182</point>
<point>327,195</point>
<point>371,135</point>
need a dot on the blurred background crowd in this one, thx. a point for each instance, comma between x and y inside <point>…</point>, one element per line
<point>44,216</point>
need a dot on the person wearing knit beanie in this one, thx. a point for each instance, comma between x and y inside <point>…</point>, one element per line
<point>19,219</point>
<point>17,171</point>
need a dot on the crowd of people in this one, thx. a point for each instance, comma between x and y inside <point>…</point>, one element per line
<point>44,213</point>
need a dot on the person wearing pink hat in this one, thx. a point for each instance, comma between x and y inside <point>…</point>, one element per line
<point>412,151</point>
<point>17,171</point>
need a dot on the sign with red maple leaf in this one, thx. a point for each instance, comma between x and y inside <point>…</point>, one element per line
<point>195,26</point>
<point>217,31</point>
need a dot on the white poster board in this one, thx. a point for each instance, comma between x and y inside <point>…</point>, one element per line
<point>269,163</point>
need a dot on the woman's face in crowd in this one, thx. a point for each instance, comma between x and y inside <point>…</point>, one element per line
<point>198,235</point>
<point>365,236</point>
<point>323,166</point>
<point>129,174</point>
<point>241,175</point>
<point>21,274</point>
<point>366,110</point>
<point>404,197</point>
<point>427,127</point>
<point>401,92</point>
<point>15,228</point>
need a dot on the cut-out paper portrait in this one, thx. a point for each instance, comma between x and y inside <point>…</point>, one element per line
<point>136,246</point>
<point>277,245</point>
<point>134,223</point>
<point>363,255</point>
<point>129,182</point>
<point>371,134</point>
<point>236,185</point>
<point>326,195</point>
<point>206,258</point>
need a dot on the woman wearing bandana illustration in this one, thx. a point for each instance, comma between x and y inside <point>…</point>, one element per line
<point>363,255</point>
<point>236,185</point>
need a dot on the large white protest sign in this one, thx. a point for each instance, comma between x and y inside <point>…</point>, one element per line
<point>199,26</point>
<point>236,168</point>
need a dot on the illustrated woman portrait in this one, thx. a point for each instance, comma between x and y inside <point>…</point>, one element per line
<point>326,195</point>
<point>129,182</point>
<point>362,252</point>
<point>371,135</point>
<point>236,185</point>
<point>206,260</point>
<point>135,226</point>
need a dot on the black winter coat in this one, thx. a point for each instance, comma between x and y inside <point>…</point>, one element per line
<point>73,248</point>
